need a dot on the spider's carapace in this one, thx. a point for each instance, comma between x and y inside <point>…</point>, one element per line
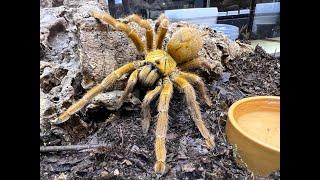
<point>162,60</point>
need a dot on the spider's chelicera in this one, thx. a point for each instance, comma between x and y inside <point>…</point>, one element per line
<point>160,71</point>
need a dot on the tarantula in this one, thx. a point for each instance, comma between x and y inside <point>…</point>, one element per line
<point>158,72</point>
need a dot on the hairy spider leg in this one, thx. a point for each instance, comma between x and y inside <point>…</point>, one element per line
<point>147,26</point>
<point>145,107</point>
<point>158,21</point>
<point>105,84</point>
<point>198,83</point>
<point>162,125</point>
<point>132,81</point>
<point>195,64</point>
<point>119,26</point>
<point>194,108</point>
<point>161,30</point>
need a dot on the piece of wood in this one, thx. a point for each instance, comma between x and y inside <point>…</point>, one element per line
<point>72,147</point>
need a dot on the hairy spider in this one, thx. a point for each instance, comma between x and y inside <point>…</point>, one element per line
<point>158,72</point>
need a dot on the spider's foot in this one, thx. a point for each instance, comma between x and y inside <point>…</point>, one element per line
<point>160,167</point>
<point>208,102</point>
<point>94,14</point>
<point>210,142</point>
<point>61,119</point>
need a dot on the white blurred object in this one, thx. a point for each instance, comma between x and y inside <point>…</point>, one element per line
<point>201,16</point>
<point>244,11</point>
<point>232,13</point>
<point>232,32</point>
<point>266,13</point>
<point>115,2</point>
<point>222,13</point>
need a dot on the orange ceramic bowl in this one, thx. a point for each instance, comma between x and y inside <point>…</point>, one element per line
<point>253,126</point>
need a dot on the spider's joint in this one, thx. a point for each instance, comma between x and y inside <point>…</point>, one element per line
<point>138,64</point>
<point>115,73</point>
<point>185,86</point>
<point>163,110</point>
<point>161,138</point>
<point>131,31</point>
<point>166,93</point>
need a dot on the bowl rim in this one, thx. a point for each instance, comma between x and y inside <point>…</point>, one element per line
<point>232,120</point>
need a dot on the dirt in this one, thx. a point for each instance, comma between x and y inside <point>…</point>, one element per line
<point>65,33</point>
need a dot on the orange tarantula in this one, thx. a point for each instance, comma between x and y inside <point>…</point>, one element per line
<point>159,72</point>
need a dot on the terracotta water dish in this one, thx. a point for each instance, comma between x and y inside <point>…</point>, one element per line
<point>253,126</point>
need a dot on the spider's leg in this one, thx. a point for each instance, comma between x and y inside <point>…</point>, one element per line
<point>162,125</point>
<point>163,24</point>
<point>158,21</point>
<point>194,108</point>
<point>145,107</point>
<point>132,34</point>
<point>105,84</point>
<point>147,26</point>
<point>199,84</point>
<point>195,64</point>
<point>132,81</point>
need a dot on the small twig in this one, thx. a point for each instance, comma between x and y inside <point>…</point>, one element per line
<point>221,131</point>
<point>121,135</point>
<point>72,147</point>
<point>273,40</point>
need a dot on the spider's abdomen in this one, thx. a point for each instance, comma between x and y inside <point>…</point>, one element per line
<point>162,60</point>
<point>185,44</point>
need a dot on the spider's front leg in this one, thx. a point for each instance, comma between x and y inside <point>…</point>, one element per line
<point>147,26</point>
<point>132,34</point>
<point>105,84</point>
<point>161,28</point>
<point>162,125</point>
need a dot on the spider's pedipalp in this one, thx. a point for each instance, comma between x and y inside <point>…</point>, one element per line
<point>132,81</point>
<point>194,108</point>
<point>143,74</point>
<point>147,26</point>
<point>132,34</point>
<point>152,77</point>
<point>161,30</point>
<point>145,107</point>
<point>162,125</point>
<point>199,84</point>
<point>105,84</point>
<point>195,64</point>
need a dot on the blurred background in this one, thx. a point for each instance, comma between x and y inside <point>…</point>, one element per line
<point>252,21</point>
